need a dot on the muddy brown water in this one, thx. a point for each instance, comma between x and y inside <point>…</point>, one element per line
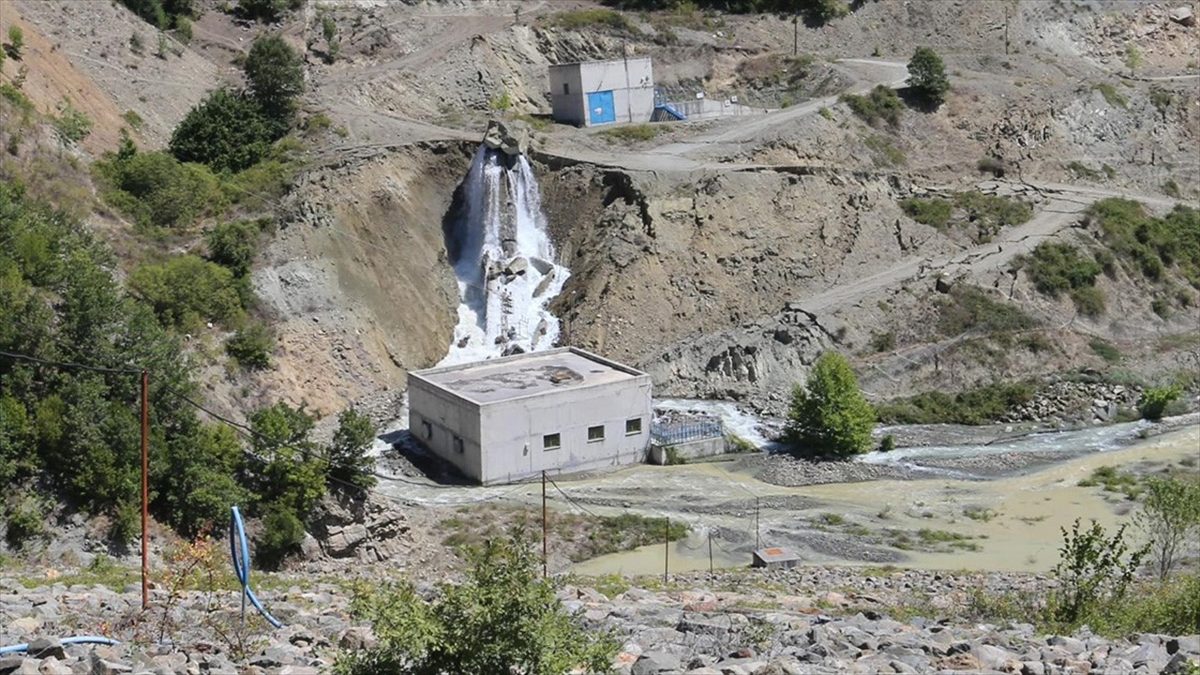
<point>1016,525</point>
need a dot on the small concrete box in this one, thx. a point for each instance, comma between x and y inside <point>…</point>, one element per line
<point>602,92</point>
<point>775,556</point>
<point>511,418</point>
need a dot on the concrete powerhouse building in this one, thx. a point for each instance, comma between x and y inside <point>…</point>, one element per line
<point>511,418</point>
<point>602,92</point>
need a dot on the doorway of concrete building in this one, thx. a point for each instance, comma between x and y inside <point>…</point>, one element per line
<point>600,107</point>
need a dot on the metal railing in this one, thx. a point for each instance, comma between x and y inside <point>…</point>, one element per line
<point>668,433</point>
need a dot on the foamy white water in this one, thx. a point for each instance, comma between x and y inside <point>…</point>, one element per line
<point>506,269</point>
<point>736,420</point>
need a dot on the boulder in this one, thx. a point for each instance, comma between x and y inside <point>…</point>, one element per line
<point>46,647</point>
<point>508,137</point>
<point>1183,16</point>
<point>654,662</point>
<point>516,266</point>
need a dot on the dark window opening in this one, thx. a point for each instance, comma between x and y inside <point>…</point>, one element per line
<point>551,442</point>
<point>633,426</point>
<point>596,433</point>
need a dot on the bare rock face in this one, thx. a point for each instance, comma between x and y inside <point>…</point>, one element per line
<point>511,138</point>
<point>1183,16</point>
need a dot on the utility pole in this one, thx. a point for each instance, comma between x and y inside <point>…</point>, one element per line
<point>145,490</point>
<point>796,34</point>
<point>544,573</point>
<point>666,550</point>
<point>628,92</point>
<point>1006,29</point>
<point>710,565</point>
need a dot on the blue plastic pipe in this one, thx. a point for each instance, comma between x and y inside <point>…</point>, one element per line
<point>77,640</point>
<point>239,551</point>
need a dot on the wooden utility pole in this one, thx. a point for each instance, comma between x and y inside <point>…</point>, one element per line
<point>666,550</point>
<point>544,572</point>
<point>1006,29</point>
<point>796,34</point>
<point>145,490</point>
<point>710,565</point>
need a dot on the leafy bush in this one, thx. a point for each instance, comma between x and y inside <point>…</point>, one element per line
<point>282,534</point>
<point>1154,401</point>
<point>155,189</point>
<point>1105,350</point>
<point>933,211</point>
<point>887,443</point>
<point>970,308</point>
<point>71,124</point>
<point>348,458</point>
<point>503,618</point>
<point>1057,267</point>
<point>992,165</point>
<point>267,10</point>
<point>161,13</point>
<point>186,290</point>
<point>580,19</point>
<point>927,76</point>
<point>275,76</point>
<point>632,133</point>
<point>1169,519</point>
<point>881,105</point>
<point>251,346</point>
<point>227,132</point>
<point>829,415</point>
<point>233,244</point>
<point>883,342</point>
<point>1113,97</point>
<point>16,41</point>
<point>886,152</point>
<point>981,405</point>
<point>295,470</point>
<point>24,519</point>
<point>1094,571</point>
<point>673,456</point>
<point>1147,244</point>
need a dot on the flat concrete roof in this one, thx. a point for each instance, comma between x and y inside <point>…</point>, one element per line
<point>524,375</point>
<point>585,63</point>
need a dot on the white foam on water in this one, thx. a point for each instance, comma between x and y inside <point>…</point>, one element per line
<point>503,223</point>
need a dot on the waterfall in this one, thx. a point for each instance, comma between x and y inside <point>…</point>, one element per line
<point>504,262</point>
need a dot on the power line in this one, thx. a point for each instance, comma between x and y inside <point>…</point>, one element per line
<point>66,364</point>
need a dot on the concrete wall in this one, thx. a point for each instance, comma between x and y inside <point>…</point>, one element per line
<point>570,107</point>
<point>514,430</point>
<point>448,416</point>
<point>633,98</point>
<point>704,447</point>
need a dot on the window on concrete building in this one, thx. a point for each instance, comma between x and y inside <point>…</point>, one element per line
<point>566,87</point>
<point>596,433</point>
<point>633,426</point>
<point>458,446</point>
<point>551,442</point>
<point>428,429</point>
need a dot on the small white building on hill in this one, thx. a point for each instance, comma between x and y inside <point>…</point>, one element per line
<point>602,92</point>
<point>506,419</point>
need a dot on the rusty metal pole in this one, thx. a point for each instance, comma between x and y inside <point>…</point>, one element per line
<point>544,572</point>
<point>666,550</point>
<point>145,490</point>
<point>757,542</point>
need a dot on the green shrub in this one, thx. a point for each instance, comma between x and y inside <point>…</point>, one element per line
<point>737,444</point>
<point>1171,189</point>
<point>1082,170</point>
<point>1089,300</point>
<point>1169,519</point>
<point>267,10</point>
<point>1113,97</point>
<point>186,290</point>
<point>183,29</point>
<point>883,342</point>
<point>887,443</point>
<point>829,415</point>
<point>1154,401</point>
<point>156,190</point>
<point>1056,267</point>
<point>251,346</point>
<point>71,124</point>
<point>1094,571</point>
<point>673,456</point>
<point>991,213</point>
<point>133,119</point>
<point>226,132</point>
<point>632,133</point>
<point>282,534</point>
<point>1150,245</point>
<point>933,211</point>
<point>25,519</point>
<point>503,618</point>
<point>595,18</point>
<point>233,244</point>
<point>16,41</point>
<point>1105,350</point>
<point>927,76</point>
<point>972,309</point>
<point>880,105</point>
<point>885,151</point>
<point>981,405</point>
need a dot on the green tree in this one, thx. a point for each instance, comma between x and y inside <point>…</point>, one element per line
<point>1169,518</point>
<point>233,244</point>
<point>830,415</point>
<point>197,473</point>
<point>266,10</point>
<point>226,131</point>
<point>348,458</point>
<point>1154,401</point>
<point>281,535</point>
<point>16,40</point>
<point>294,474</point>
<point>503,618</point>
<point>157,190</point>
<point>187,290</point>
<point>251,346</point>
<point>1094,570</point>
<point>1133,58</point>
<point>273,71</point>
<point>927,76</point>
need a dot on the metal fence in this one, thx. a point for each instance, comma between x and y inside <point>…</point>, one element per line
<point>669,433</point>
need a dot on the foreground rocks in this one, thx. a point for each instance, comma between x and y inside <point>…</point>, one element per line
<point>769,622</point>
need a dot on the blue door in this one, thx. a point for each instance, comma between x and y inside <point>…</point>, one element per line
<point>600,107</point>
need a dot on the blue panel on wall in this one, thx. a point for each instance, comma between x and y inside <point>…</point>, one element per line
<point>600,107</point>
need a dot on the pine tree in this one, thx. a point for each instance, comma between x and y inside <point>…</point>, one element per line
<point>927,76</point>
<point>829,415</point>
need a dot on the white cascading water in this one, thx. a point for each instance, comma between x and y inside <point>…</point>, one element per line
<point>505,266</point>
